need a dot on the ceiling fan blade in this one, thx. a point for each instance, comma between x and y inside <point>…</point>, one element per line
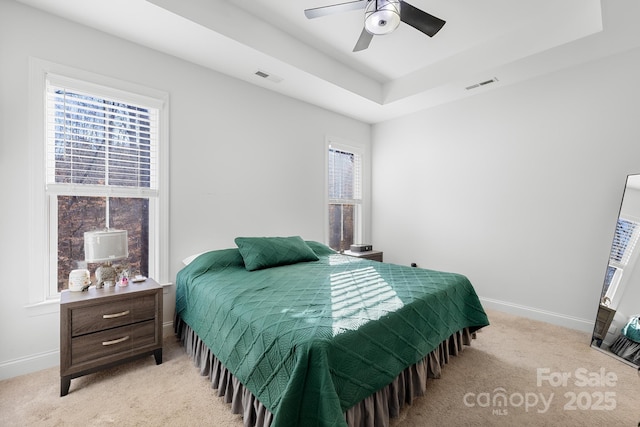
<point>419,19</point>
<point>363,41</point>
<point>336,8</point>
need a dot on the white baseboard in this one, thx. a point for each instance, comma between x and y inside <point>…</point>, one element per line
<point>584,325</point>
<point>167,329</point>
<point>28,364</point>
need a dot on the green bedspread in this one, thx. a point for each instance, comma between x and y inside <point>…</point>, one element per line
<point>312,339</point>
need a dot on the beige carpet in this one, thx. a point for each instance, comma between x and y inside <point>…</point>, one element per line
<point>503,362</point>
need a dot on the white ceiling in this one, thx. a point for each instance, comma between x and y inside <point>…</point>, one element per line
<point>403,72</point>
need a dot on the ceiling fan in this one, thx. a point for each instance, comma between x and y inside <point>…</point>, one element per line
<point>382,17</point>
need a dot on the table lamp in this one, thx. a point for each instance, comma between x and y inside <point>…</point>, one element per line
<point>105,246</point>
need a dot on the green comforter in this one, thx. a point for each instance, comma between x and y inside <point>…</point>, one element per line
<point>312,339</point>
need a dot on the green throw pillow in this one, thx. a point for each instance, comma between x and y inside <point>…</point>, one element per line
<point>265,252</point>
<point>216,260</point>
<point>319,248</point>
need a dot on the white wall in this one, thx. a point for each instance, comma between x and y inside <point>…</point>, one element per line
<point>518,188</point>
<point>243,161</point>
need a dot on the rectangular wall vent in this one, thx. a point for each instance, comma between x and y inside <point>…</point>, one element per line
<point>268,76</point>
<point>484,83</point>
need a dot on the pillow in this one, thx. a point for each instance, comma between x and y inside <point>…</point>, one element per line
<point>188,260</point>
<point>214,260</point>
<point>265,252</point>
<point>319,248</point>
<point>632,329</point>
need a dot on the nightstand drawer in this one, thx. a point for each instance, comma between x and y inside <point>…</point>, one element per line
<point>94,318</point>
<point>113,341</point>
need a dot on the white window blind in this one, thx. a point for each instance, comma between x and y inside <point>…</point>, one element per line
<point>624,242</point>
<point>99,141</point>
<point>345,176</point>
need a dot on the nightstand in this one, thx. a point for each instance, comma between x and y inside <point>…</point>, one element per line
<point>603,322</point>
<point>372,255</point>
<point>101,328</point>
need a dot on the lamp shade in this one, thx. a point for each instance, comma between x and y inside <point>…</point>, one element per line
<point>102,246</point>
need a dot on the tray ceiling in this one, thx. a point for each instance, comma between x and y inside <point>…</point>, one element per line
<point>496,41</point>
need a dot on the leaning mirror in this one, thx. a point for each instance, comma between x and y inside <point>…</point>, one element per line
<point>617,327</point>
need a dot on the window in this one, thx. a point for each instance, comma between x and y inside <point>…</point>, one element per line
<point>345,196</point>
<point>101,167</point>
<point>98,150</point>
<point>73,215</point>
<point>624,243</point>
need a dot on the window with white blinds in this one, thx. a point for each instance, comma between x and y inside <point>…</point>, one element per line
<point>345,180</point>
<point>99,141</point>
<point>624,243</point>
<point>344,172</point>
<point>101,171</point>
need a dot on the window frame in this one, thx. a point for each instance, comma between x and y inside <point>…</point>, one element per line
<point>619,280</point>
<point>361,213</point>
<point>41,241</point>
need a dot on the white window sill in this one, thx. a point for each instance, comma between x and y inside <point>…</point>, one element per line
<point>44,308</point>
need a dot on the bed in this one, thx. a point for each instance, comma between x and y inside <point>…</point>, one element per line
<point>627,345</point>
<point>294,334</point>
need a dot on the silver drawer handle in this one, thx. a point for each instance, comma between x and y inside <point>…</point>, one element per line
<point>111,316</point>
<point>119,340</point>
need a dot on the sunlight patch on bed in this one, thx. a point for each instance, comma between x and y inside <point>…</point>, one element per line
<point>358,296</point>
<point>339,259</point>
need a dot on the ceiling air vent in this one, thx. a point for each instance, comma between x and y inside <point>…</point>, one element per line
<point>268,76</point>
<point>484,83</point>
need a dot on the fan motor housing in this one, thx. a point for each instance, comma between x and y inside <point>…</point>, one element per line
<point>382,17</point>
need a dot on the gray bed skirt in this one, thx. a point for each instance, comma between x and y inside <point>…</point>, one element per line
<point>374,411</point>
<point>627,349</point>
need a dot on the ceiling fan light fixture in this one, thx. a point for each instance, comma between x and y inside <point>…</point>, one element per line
<point>382,16</point>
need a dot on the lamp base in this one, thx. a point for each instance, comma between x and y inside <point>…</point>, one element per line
<point>106,276</point>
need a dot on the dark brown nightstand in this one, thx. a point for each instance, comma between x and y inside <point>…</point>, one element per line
<point>101,328</point>
<point>372,255</point>
<point>603,322</point>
